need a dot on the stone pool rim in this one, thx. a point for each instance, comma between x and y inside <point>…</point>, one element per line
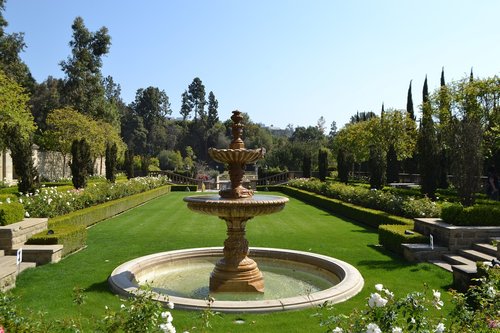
<point>351,282</point>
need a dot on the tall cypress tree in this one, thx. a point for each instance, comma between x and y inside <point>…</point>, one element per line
<point>342,166</point>
<point>322,164</point>
<point>111,151</point>
<point>306,166</point>
<point>427,147</point>
<point>129,163</point>
<point>443,133</point>
<point>377,167</point>
<point>409,103</point>
<point>80,157</point>
<point>22,159</point>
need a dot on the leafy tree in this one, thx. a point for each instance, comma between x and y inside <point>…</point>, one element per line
<point>47,96</point>
<point>321,124</point>
<point>63,127</point>
<point>196,96</point>
<point>170,160</point>
<point>14,112</point>
<point>186,106</point>
<point>471,107</point>
<point>111,160</point>
<point>80,152</point>
<point>427,148</point>
<point>152,106</point>
<point>16,131</point>
<point>398,136</point>
<point>11,45</point>
<point>356,138</point>
<point>213,116</point>
<point>84,86</point>
<point>133,131</point>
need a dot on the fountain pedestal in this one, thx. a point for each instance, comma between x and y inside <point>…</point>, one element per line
<point>236,272</point>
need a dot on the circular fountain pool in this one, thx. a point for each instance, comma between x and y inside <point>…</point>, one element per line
<point>294,279</point>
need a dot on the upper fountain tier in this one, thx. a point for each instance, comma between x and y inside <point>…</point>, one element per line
<point>236,157</point>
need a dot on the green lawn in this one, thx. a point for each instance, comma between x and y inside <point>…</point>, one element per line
<point>166,224</point>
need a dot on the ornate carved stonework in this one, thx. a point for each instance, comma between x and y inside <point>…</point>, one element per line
<point>237,205</point>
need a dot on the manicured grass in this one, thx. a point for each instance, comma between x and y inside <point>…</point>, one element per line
<point>166,224</point>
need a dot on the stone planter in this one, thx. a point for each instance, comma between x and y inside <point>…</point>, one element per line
<point>455,237</point>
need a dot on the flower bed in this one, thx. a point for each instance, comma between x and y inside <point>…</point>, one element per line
<point>70,229</point>
<point>49,202</point>
<point>391,203</point>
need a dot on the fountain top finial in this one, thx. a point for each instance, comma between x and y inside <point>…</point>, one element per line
<point>237,127</point>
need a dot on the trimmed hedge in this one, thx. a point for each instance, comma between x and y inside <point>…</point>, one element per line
<point>367,216</point>
<point>477,215</point>
<point>91,215</point>
<point>11,213</point>
<point>392,236</point>
<point>184,188</point>
<point>72,237</point>
<point>70,229</point>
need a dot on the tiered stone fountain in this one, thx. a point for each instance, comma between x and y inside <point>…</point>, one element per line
<point>236,272</point>
<point>176,273</point>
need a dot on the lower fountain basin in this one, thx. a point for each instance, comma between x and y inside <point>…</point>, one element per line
<point>309,279</point>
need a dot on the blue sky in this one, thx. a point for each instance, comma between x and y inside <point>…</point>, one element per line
<point>281,61</point>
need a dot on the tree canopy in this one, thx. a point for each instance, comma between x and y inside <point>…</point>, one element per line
<point>14,111</point>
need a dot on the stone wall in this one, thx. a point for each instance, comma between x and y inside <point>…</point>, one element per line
<point>455,237</point>
<point>6,168</point>
<point>50,165</point>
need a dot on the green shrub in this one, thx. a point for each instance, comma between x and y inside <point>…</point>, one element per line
<point>387,201</point>
<point>11,213</point>
<point>450,212</point>
<point>72,237</point>
<point>477,215</point>
<point>5,196</point>
<point>392,236</point>
<point>9,190</point>
<point>91,215</point>
<point>366,216</point>
<point>51,201</point>
<point>184,188</point>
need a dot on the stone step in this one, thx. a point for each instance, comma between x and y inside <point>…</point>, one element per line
<point>9,271</point>
<point>443,264</point>
<point>16,234</point>
<point>475,255</point>
<point>486,248</point>
<point>40,254</point>
<point>454,259</point>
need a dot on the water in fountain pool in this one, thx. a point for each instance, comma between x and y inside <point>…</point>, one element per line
<point>189,278</point>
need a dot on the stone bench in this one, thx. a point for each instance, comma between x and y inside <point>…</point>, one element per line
<point>16,234</point>
<point>40,254</point>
